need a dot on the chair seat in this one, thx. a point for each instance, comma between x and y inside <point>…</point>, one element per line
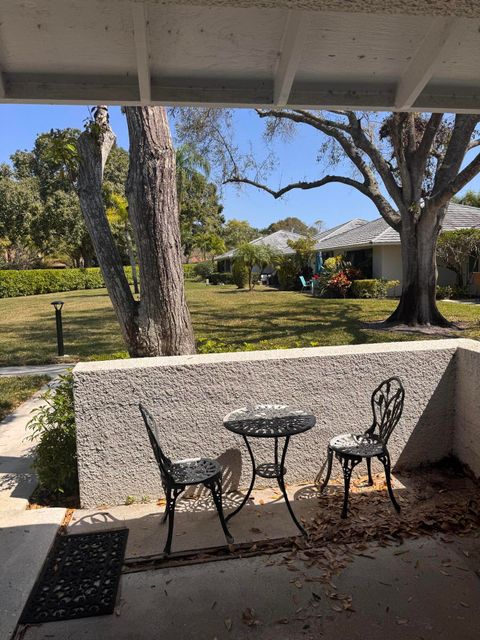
<point>363,445</point>
<point>194,470</point>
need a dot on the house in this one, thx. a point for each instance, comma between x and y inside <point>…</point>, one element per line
<point>277,240</point>
<point>374,247</point>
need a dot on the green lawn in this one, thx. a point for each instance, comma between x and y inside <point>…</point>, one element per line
<point>16,389</point>
<point>230,319</point>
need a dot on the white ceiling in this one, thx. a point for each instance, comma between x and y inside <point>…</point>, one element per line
<point>125,52</point>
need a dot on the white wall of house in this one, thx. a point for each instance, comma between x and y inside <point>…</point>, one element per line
<point>387,264</point>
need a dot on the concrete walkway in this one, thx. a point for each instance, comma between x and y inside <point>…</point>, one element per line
<point>25,535</point>
<point>36,370</point>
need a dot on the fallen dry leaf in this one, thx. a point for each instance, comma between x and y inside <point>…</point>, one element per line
<point>248,617</point>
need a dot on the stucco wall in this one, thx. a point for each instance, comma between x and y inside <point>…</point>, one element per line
<point>189,395</point>
<point>466,443</point>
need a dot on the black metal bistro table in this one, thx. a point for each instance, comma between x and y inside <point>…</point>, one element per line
<point>269,421</point>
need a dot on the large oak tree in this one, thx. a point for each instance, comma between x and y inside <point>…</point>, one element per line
<point>409,165</point>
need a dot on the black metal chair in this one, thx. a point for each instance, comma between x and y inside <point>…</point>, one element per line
<point>350,449</point>
<point>177,476</point>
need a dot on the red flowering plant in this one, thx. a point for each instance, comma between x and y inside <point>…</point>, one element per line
<point>340,284</point>
<point>335,278</point>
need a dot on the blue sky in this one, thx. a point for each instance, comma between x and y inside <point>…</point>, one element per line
<point>19,125</point>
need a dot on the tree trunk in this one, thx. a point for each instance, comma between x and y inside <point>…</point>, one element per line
<point>418,304</point>
<point>153,210</point>
<point>131,257</point>
<point>93,149</point>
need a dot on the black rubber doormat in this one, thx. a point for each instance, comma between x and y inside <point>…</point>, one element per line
<point>79,579</point>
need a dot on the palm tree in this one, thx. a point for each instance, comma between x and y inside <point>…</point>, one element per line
<point>189,161</point>
<point>117,213</point>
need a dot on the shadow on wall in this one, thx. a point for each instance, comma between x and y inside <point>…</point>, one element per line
<point>426,444</point>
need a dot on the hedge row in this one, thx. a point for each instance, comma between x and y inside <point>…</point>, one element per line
<point>30,282</point>
<point>372,288</point>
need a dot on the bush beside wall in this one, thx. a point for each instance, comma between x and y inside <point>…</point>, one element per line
<point>372,288</point>
<point>30,282</point>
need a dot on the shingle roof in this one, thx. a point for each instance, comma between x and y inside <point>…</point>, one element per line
<point>378,232</point>
<point>340,228</point>
<point>277,240</point>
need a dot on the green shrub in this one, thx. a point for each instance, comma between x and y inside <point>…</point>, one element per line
<point>445,293</point>
<point>220,278</point>
<point>288,273</point>
<point>239,274</point>
<point>30,282</point>
<point>53,429</point>
<point>372,288</point>
<point>189,271</point>
<point>460,292</point>
<point>204,270</point>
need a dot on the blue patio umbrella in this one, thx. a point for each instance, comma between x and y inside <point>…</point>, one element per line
<point>318,262</point>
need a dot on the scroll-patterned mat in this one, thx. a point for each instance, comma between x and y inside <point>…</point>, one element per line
<point>79,579</point>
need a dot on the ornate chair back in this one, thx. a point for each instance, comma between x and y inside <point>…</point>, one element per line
<point>387,407</point>
<point>164,463</point>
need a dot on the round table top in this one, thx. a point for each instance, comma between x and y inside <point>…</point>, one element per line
<point>268,421</point>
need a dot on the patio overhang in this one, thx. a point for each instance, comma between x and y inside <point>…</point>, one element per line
<point>375,55</point>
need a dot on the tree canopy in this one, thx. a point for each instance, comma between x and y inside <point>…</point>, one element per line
<point>294,224</point>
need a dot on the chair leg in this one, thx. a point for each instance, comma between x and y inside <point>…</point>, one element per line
<point>385,460</point>
<point>348,465</point>
<point>216,489</point>
<point>171,517</point>
<point>168,497</point>
<point>369,469</point>
<point>329,470</point>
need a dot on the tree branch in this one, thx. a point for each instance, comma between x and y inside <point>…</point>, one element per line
<point>390,215</point>
<point>473,144</point>
<point>420,160</point>
<point>463,178</point>
<point>379,162</point>
<point>457,147</point>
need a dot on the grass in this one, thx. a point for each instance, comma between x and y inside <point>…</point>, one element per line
<point>224,318</point>
<point>16,389</point>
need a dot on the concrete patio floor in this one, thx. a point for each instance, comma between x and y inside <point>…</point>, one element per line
<point>375,575</point>
<point>426,588</point>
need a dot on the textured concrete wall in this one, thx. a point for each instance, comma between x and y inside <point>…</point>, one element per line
<point>466,443</point>
<point>189,395</point>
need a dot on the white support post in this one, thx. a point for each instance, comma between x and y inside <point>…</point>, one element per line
<point>141,49</point>
<point>291,51</point>
<point>423,64</point>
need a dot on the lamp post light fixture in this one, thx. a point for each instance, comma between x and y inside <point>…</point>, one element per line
<point>58,304</point>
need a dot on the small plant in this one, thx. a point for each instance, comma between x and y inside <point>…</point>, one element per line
<point>145,499</point>
<point>445,293</point>
<point>239,274</point>
<point>53,430</point>
<point>204,269</point>
<point>129,500</point>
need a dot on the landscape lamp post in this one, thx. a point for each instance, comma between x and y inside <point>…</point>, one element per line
<point>58,304</point>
